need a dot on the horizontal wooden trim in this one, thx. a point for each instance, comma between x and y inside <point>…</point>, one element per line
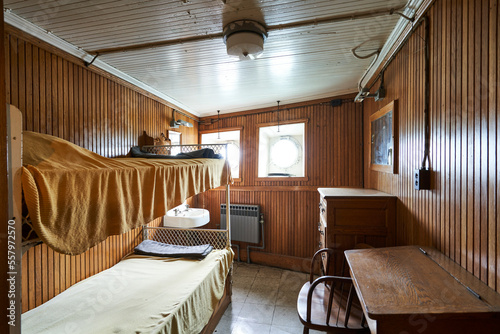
<point>236,128</point>
<point>284,122</point>
<point>282,179</point>
<point>270,188</point>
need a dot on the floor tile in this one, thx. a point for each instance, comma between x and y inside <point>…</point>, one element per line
<point>246,327</point>
<point>262,296</point>
<point>264,301</point>
<point>287,297</point>
<point>291,280</point>
<point>232,311</point>
<point>239,294</point>
<point>270,273</point>
<point>286,330</point>
<point>257,313</point>
<point>245,269</point>
<point>243,281</point>
<point>225,327</point>
<point>268,283</point>
<point>286,316</point>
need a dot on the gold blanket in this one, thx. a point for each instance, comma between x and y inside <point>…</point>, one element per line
<point>77,198</point>
<point>140,294</point>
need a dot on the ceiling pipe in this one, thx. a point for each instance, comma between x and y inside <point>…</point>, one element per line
<point>305,23</point>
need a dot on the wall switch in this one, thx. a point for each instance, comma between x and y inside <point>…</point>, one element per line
<point>422,180</point>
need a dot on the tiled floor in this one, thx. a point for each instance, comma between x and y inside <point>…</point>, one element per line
<point>263,302</point>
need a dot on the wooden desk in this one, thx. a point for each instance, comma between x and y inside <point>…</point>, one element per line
<point>402,290</point>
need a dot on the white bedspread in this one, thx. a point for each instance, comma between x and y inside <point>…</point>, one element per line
<point>140,294</point>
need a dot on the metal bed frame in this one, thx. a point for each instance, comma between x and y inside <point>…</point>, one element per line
<point>219,239</point>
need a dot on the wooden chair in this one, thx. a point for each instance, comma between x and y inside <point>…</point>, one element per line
<point>330,303</point>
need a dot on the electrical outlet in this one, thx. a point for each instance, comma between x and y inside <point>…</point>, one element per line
<point>422,180</point>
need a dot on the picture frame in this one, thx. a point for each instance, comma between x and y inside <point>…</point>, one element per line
<point>383,148</point>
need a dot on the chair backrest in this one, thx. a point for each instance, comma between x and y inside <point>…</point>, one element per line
<point>330,261</point>
<point>330,303</point>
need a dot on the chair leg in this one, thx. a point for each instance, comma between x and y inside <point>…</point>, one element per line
<point>306,330</point>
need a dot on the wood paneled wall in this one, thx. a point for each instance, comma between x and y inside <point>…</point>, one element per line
<point>4,195</point>
<point>334,156</point>
<point>459,216</point>
<point>58,95</point>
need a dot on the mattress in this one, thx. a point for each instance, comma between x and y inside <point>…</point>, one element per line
<point>77,198</point>
<point>140,294</point>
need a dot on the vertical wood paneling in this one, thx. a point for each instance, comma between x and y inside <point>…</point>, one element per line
<point>334,154</point>
<point>61,97</point>
<point>4,191</point>
<point>459,216</point>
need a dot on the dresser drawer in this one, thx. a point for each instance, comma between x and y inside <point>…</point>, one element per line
<point>322,234</point>
<point>322,210</point>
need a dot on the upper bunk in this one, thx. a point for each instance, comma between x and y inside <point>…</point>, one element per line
<point>77,198</point>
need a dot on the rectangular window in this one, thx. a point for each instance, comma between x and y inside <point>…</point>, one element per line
<point>175,139</point>
<point>282,150</point>
<point>230,137</point>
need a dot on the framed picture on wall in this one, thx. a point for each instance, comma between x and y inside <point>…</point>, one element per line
<point>383,139</point>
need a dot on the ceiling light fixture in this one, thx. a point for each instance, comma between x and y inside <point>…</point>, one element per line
<point>245,39</point>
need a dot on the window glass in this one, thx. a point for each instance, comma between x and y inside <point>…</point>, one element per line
<point>281,151</point>
<point>232,138</point>
<point>175,139</point>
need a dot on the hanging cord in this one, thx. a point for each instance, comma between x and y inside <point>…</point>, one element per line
<point>426,94</point>
<point>353,51</point>
<point>278,115</point>
<point>218,124</point>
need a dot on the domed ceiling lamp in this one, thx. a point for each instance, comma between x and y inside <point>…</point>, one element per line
<point>245,39</point>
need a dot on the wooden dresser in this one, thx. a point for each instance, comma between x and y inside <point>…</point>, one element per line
<point>350,216</point>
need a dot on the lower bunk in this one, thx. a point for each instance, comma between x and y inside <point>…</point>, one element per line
<point>145,293</point>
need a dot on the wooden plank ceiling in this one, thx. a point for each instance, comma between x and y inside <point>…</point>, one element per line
<point>298,64</point>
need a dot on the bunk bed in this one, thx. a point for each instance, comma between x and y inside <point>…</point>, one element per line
<point>79,199</point>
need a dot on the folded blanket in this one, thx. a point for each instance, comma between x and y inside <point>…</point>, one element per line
<point>136,152</point>
<point>155,248</point>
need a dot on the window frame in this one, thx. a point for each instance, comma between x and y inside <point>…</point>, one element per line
<point>236,128</point>
<point>304,153</point>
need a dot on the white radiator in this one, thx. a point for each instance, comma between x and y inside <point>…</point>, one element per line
<point>244,222</point>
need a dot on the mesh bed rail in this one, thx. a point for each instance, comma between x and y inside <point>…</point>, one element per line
<point>171,149</point>
<point>187,237</point>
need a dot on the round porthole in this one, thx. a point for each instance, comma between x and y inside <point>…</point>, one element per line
<point>285,152</point>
